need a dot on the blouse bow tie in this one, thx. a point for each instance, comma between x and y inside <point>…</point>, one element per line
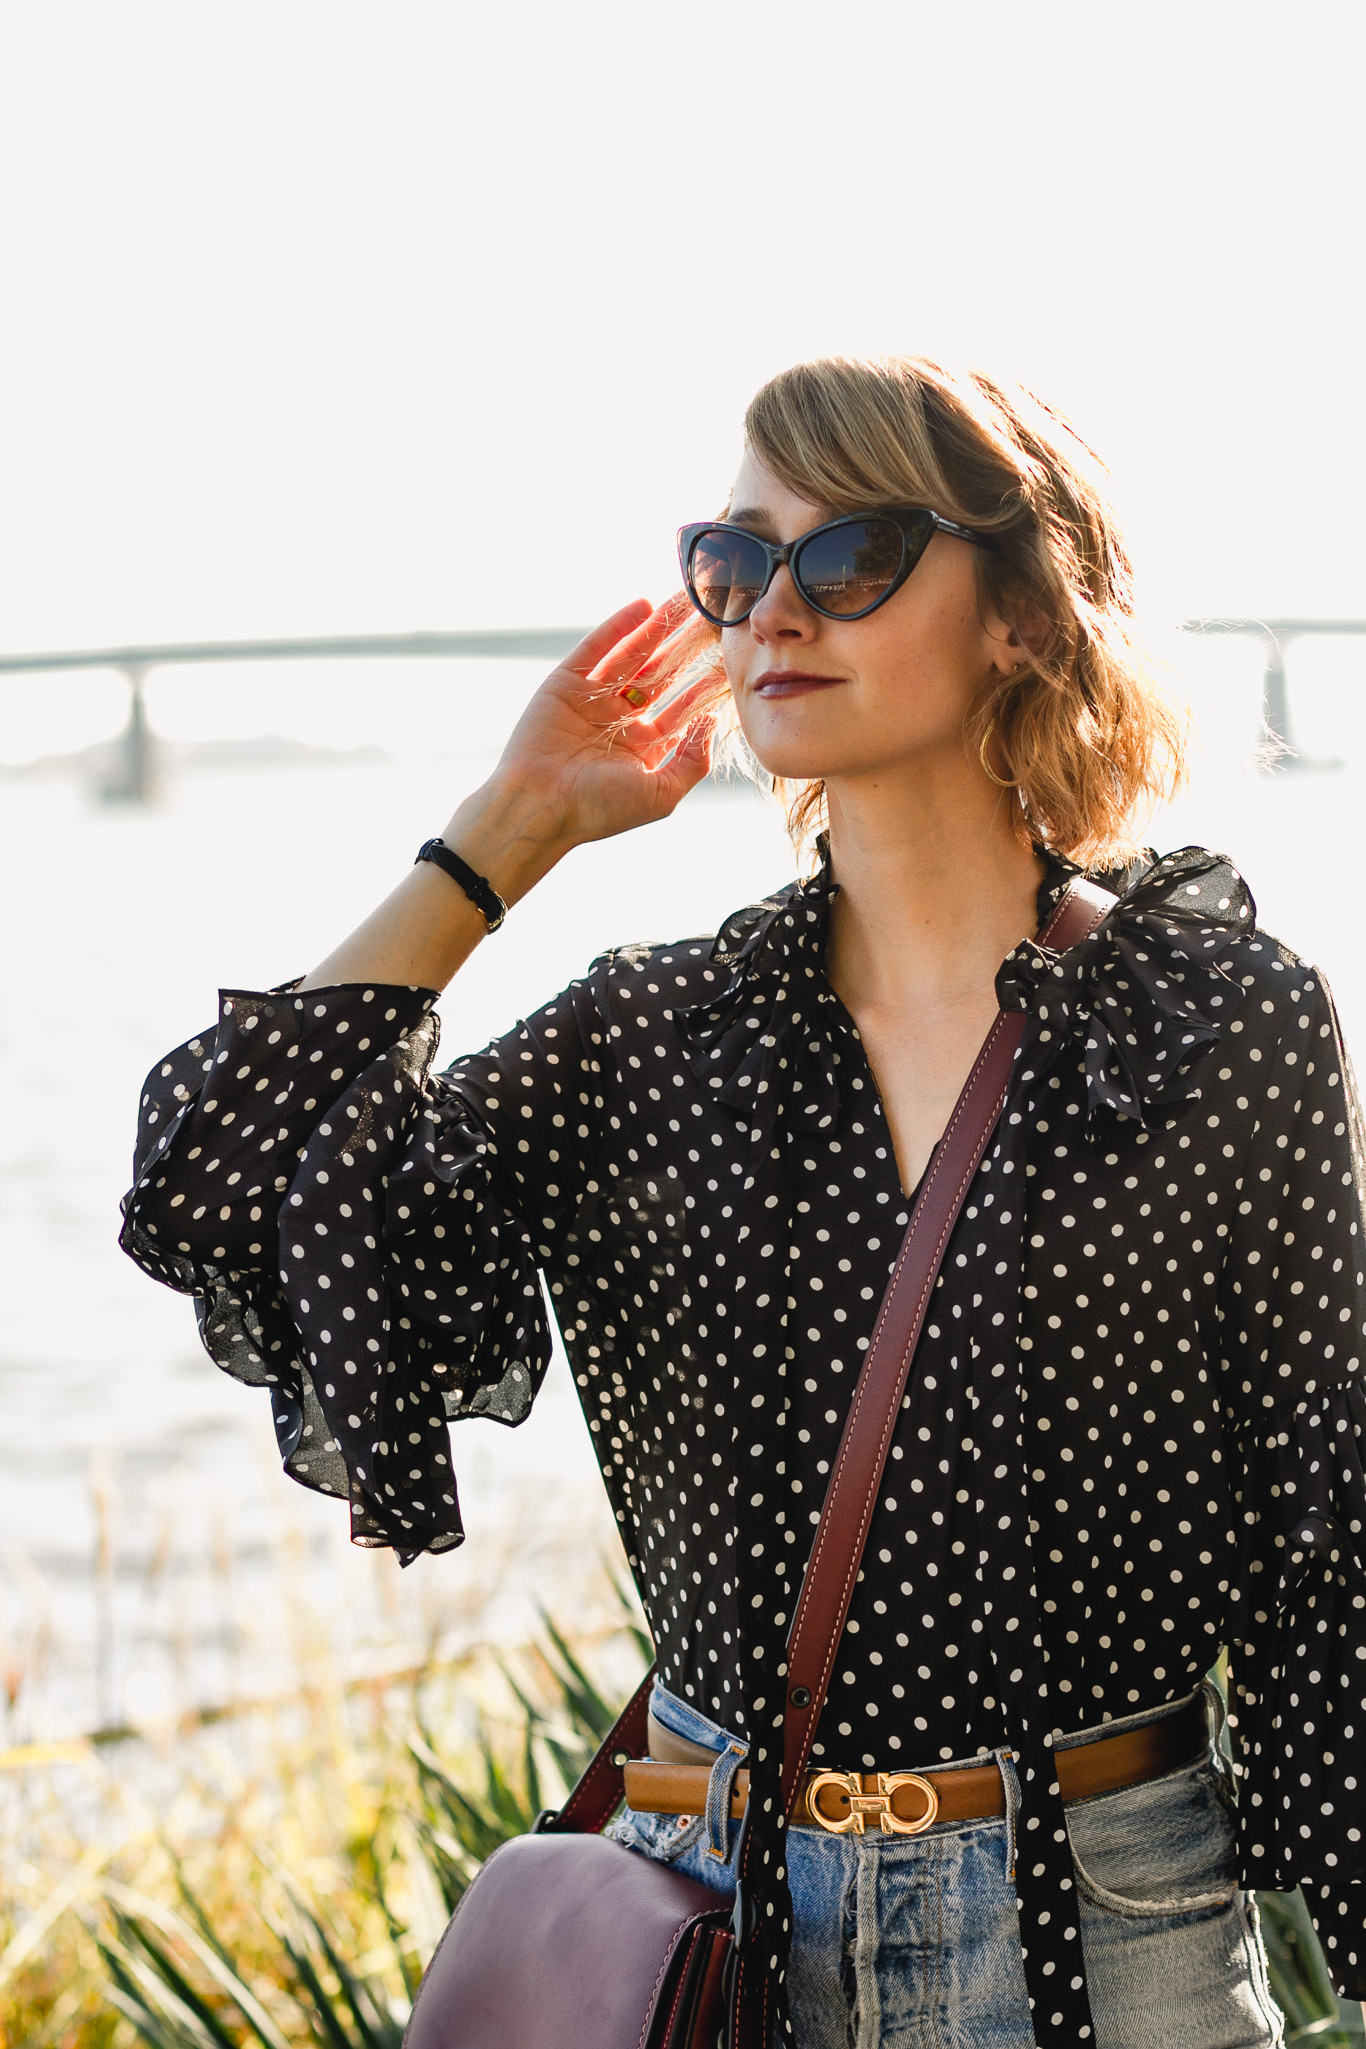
<point>1146,995</point>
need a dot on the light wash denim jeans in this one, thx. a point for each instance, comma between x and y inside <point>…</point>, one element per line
<point>901,1940</point>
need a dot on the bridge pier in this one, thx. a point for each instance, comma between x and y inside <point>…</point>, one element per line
<point>1276,703</point>
<point>1282,750</point>
<point>133,776</point>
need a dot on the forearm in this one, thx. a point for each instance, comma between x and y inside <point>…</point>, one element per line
<point>427,928</point>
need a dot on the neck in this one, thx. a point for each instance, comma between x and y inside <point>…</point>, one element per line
<point>935,886</point>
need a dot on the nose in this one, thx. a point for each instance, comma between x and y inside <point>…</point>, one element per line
<point>782,614</point>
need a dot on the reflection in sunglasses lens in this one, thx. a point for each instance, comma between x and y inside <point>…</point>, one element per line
<point>849,568</point>
<point>727,573</point>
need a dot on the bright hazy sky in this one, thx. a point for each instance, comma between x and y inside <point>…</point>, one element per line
<point>321,316</point>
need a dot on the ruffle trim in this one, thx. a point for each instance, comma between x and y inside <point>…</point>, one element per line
<point>1146,995</point>
<point>1313,1462</point>
<point>360,1405</point>
<point>764,1026</point>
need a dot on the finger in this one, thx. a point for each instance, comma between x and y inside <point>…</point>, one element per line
<point>634,651</point>
<point>673,716</point>
<point>659,672</point>
<point>642,689</point>
<point>687,761</point>
<point>662,736</point>
<point>583,659</point>
<point>645,686</point>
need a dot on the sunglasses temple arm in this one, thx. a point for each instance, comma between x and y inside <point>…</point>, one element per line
<point>963,533</point>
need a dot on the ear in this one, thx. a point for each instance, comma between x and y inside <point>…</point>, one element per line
<point>1013,638</point>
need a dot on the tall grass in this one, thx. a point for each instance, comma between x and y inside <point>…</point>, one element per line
<point>279,1879</point>
<point>316,1980</point>
<point>281,1876</point>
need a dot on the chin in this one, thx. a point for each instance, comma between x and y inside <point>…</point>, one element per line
<point>802,763</point>
<point>798,757</point>
<point>791,765</point>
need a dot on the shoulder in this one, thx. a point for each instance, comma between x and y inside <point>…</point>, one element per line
<point>656,976</point>
<point>1189,917</point>
<point>662,976</point>
<point>1283,993</point>
<point>1199,901</point>
<point>1285,1041</point>
<point>1275,1021</point>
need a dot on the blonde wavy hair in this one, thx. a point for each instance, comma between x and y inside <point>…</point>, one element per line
<point>1082,733</point>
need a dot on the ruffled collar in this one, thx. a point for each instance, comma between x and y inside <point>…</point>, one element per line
<point>764,1027</point>
<point>1144,997</point>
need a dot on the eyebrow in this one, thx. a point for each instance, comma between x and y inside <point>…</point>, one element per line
<point>760,522</point>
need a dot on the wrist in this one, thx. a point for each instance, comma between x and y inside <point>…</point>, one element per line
<point>508,835</point>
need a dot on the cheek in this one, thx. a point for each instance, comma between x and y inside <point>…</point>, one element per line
<point>924,661</point>
<point>735,650</point>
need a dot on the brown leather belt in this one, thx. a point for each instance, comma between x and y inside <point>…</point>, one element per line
<point>905,1803</point>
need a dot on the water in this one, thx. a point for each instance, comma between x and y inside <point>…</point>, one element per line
<point>151,1555</point>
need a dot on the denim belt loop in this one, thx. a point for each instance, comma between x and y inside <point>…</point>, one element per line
<point>719,1790</point>
<point>1005,1764</point>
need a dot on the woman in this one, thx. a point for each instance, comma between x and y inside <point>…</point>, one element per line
<point>1133,1435</point>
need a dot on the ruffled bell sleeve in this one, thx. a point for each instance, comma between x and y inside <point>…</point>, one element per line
<point>351,1228</point>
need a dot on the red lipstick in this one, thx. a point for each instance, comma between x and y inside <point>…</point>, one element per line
<point>791,682</point>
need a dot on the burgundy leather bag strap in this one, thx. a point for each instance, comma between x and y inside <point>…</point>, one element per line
<point>602,1788</point>
<point>856,1477</point>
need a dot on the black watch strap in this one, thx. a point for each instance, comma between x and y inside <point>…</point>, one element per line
<point>477,888</point>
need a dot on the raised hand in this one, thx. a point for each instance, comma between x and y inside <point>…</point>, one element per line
<point>591,752</point>
<point>602,747</point>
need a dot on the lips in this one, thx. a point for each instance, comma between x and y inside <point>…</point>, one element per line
<point>792,682</point>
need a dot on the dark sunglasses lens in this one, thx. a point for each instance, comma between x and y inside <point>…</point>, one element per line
<point>850,567</point>
<point>726,574</point>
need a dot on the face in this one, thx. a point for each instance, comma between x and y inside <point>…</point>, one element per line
<point>842,698</point>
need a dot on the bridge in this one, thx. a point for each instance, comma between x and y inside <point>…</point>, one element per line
<point>133,778</point>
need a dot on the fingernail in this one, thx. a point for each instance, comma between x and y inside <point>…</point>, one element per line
<point>632,695</point>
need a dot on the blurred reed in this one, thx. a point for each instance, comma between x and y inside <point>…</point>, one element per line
<point>275,1871</point>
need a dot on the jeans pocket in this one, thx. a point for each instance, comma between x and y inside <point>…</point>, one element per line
<point>1160,1849</point>
<point>663,1837</point>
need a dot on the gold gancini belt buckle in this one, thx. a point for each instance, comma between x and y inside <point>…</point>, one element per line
<point>860,1804</point>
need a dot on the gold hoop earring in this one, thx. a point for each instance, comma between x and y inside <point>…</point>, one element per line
<point>987,769</point>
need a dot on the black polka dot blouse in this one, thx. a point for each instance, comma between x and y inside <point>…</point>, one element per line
<point>1134,1433</point>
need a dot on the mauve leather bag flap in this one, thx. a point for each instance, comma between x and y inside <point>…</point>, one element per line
<point>561,1942</point>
